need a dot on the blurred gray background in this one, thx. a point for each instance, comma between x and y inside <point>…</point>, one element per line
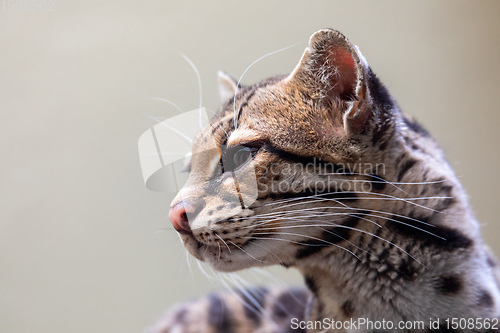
<point>84,246</point>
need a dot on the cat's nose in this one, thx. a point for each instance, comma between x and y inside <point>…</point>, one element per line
<point>181,214</point>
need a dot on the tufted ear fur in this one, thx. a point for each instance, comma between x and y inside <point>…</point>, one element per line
<point>228,86</point>
<point>333,71</point>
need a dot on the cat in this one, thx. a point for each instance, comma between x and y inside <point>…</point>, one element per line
<point>320,171</point>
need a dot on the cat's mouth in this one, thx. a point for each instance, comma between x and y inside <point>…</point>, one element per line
<point>205,242</point>
<point>224,248</point>
<point>217,255</point>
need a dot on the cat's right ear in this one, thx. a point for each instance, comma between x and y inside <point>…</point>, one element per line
<point>333,71</point>
<point>228,86</point>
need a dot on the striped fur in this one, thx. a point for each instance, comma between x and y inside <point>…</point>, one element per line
<point>349,191</point>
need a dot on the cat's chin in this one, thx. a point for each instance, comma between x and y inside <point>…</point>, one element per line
<point>193,246</point>
<point>224,259</point>
<point>232,263</point>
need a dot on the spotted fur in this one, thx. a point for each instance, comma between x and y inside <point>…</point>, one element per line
<point>396,242</point>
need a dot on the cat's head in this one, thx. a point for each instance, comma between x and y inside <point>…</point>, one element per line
<point>286,159</point>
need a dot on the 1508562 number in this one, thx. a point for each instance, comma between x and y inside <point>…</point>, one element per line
<point>472,323</point>
<point>28,5</point>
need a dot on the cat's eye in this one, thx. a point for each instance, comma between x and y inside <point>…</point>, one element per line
<point>234,157</point>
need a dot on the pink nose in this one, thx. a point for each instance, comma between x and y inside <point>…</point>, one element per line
<point>182,213</point>
<point>179,217</point>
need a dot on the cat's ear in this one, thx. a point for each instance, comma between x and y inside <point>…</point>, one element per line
<point>228,86</point>
<point>333,70</point>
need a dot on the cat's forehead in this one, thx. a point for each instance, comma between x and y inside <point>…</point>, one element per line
<point>278,112</point>
<point>265,105</point>
<point>285,113</point>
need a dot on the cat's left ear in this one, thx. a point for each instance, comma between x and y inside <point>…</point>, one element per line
<point>228,86</point>
<point>333,70</point>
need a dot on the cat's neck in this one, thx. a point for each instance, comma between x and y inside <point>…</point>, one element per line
<point>387,277</point>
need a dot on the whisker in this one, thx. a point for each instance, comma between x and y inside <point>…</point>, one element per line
<point>349,208</point>
<point>346,240</point>
<point>244,72</point>
<point>382,196</point>
<point>197,72</point>
<point>204,272</point>
<point>224,244</point>
<point>362,218</point>
<point>222,128</point>
<point>319,214</point>
<point>245,252</point>
<point>419,183</point>
<point>166,101</point>
<point>300,243</point>
<point>242,286</point>
<point>282,218</point>
<point>351,228</point>
<point>367,175</point>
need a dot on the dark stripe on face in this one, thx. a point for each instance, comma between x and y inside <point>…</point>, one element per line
<point>330,236</point>
<point>245,103</point>
<point>254,89</point>
<point>219,316</point>
<point>223,126</point>
<point>254,305</point>
<point>324,169</point>
<point>449,284</point>
<point>429,235</point>
<point>407,165</point>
